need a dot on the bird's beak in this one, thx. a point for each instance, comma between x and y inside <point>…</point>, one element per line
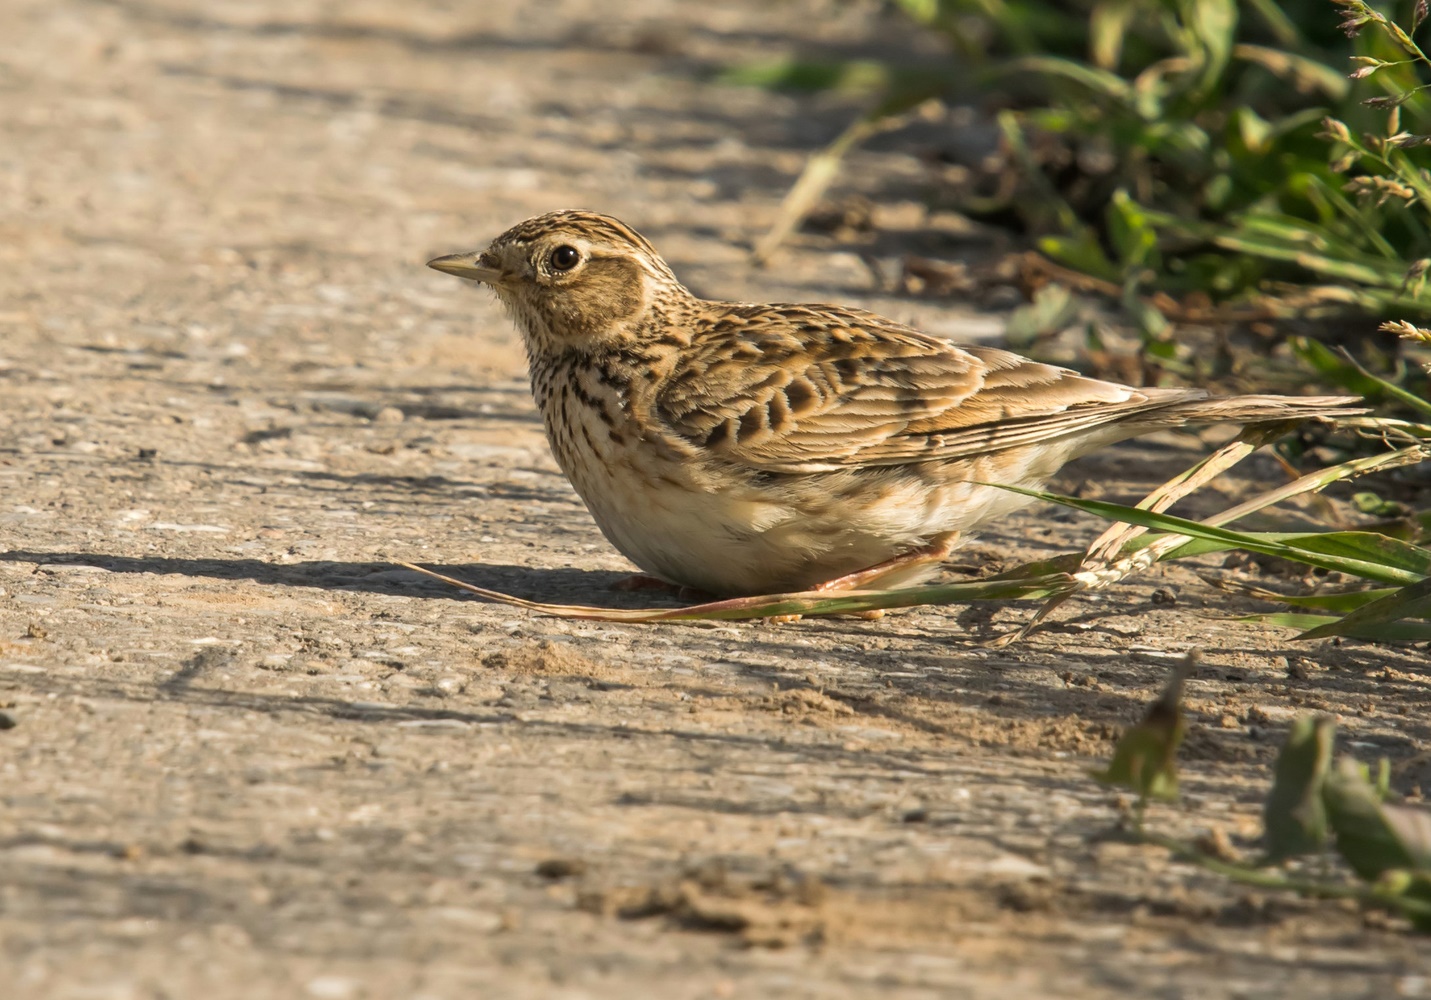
<point>467,265</point>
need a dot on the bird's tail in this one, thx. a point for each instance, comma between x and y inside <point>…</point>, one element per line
<point>1251,410</point>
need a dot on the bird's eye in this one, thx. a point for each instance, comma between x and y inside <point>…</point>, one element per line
<point>564,258</point>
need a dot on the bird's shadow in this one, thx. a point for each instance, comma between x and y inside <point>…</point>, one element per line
<point>525,582</point>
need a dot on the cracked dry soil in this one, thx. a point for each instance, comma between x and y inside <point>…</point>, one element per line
<point>249,757</point>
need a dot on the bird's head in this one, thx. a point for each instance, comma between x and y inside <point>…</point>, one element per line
<point>571,280</point>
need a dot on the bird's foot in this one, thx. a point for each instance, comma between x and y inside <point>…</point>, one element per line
<point>908,567</point>
<point>638,582</point>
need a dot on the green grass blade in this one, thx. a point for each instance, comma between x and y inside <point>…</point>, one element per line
<point>1097,81</point>
<point>1401,561</point>
<point>1340,602</point>
<point>1345,372</point>
<point>1395,391</point>
<point>1408,602</point>
<point>1263,245</point>
<point>1358,553</point>
<point>1282,27</point>
<point>1295,68</point>
<point>1387,632</point>
<point>1311,483</point>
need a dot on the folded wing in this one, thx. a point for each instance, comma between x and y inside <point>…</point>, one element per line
<point>785,388</point>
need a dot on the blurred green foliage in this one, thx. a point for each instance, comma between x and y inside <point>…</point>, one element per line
<point>1239,143</point>
<point>1193,146</point>
<point>1318,804</point>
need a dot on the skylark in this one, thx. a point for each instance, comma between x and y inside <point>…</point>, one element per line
<point>745,449</point>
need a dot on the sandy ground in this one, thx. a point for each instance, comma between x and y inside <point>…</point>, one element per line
<point>250,757</point>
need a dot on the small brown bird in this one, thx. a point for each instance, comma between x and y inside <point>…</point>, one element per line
<point>748,449</point>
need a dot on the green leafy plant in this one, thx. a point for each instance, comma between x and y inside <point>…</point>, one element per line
<point>1174,148</point>
<point>1145,757</point>
<point>1317,804</point>
<point>1235,165</point>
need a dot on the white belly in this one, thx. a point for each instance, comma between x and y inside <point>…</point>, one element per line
<point>725,536</point>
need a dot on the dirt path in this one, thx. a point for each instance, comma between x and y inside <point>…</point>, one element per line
<point>252,758</point>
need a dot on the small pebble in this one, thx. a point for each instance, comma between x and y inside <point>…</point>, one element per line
<point>1258,715</point>
<point>388,415</point>
<point>332,988</point>
<point>560,867</point>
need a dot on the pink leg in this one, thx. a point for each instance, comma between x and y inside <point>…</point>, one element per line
<point>908,567</point>
<point>892,572</point>
<point>640,581</point>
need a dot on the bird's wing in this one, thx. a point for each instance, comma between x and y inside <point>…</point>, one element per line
<point>799,389</point>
